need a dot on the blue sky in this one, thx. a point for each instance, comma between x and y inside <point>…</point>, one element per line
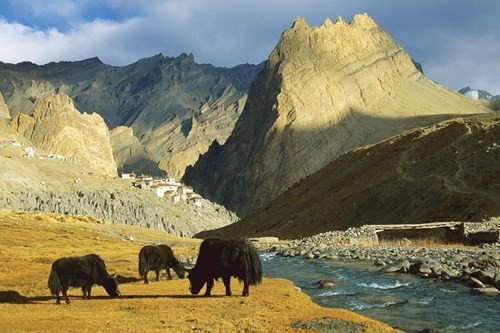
<point>457,42</point>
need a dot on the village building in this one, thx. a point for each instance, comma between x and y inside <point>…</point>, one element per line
<point>184,191</point>
<point>129,175</point>
<point>195,200</point>
<point>175,198</point>
<point>30,152</point>
<point>166,188</point>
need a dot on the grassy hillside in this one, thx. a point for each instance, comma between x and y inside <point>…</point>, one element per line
<point>30,242</point>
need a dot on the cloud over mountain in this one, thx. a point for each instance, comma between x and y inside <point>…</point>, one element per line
<point>454,42</point>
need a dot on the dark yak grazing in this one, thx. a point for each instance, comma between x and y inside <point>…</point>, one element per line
<point>225,258</point>
<point>80,272</point>
<point>158,257</point>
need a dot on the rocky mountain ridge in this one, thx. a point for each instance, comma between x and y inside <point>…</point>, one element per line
<point>477,93</point>
<point>175,107</point>
<point>57,127</point>
<point>324,91</point>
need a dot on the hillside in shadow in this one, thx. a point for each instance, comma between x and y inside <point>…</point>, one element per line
<point>449,171</point>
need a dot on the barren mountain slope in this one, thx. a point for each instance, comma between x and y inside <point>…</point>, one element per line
<point>324,91</point>
<point>4,109</point>
<point>449,171</point>
<point>58,128</point>
<point>173,105</point>
<point>69,186</point>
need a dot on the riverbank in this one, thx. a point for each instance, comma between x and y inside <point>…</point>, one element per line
<point>30,242</point>
<point>476,266</point>
<point>404,301</point>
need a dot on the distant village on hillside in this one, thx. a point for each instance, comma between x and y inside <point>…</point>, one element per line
<point>30,151</point>
<point>165,188</point>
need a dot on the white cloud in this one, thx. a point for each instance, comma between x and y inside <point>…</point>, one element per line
<point>449,40</point>
<point>466,60</point>
<point>96,38</point>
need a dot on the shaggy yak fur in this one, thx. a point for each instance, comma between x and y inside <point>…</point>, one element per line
<point>224,258</point>
<point>158,257</point>
<point>80,272</point>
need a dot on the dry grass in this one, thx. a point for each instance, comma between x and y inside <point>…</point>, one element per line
<point>29,242</point>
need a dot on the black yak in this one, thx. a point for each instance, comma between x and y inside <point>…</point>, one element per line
<point>225,258</point>
<point>158,257</point>
<point>80,272</point>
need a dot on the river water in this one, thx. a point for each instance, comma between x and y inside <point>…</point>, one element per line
<point>404,301</point>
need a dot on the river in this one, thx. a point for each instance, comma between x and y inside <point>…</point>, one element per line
<point>404,301</point>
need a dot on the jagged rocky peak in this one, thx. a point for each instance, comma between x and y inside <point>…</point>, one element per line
<point>341,41</point>
<point>349,66</point>
<point>324,91</point>
<point>57,127</point>
<point>54,104</point>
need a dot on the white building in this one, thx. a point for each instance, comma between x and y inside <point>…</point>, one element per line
<point>130,175</point>
<point>30,152</point>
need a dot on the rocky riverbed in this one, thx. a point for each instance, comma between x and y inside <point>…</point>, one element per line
<point>476,266</point>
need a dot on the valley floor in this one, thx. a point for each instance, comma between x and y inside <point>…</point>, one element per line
<point>30,242</point>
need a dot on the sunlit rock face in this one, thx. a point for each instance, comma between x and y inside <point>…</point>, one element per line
<point>4,109</point>
<point>175,107</point>
<point>324,91</point>
<point>58,128</point>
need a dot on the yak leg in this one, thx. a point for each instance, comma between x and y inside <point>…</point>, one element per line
<point>84,291</point>
<point>227,283</point>
<point>89,289</point>
<point>65,287</point>
<point>210,284</point>
<point>245,288</point>
<point>58,299</point>
<point>157,275</point>
<point>146,278</point>
<point>168,273</point>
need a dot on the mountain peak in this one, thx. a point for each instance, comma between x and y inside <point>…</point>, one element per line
<point>339,21</point>
<point>363,21</point>
<point>337,42</point>
<point>299,23</point>
<point>328,24</point>
<point>324,91</point>
<point>57,127</point>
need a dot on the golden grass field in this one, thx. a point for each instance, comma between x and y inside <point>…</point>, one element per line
<point>30,242</point>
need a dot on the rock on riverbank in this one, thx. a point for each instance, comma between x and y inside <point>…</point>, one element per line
<point>478,266</point>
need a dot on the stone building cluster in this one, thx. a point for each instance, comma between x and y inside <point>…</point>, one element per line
<point>165,188</point>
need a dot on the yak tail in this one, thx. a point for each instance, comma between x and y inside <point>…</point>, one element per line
<point>143,264</point>
<point>254,266</point>
<point>54,282</point>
